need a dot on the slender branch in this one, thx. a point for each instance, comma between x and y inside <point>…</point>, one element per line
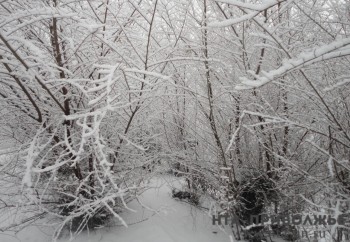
<point>24,89</point>
<point>35,76</point>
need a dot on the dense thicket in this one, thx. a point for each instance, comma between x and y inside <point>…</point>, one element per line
<point>95,94</point>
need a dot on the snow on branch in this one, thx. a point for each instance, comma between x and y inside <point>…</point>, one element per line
<point>335,49</point>
<point>251,10</point>
<point>345,80</point>
<point>43,13</point>
<point>129,142</point>
<point>251,6</point>
<point>149,73</point>
<point>33,152</point>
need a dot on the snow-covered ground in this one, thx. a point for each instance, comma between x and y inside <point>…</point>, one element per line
<point>165,220</point>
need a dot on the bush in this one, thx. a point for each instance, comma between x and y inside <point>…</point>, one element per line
<point>185,195</point>
<point>77,220</point>
<point>253,195</point>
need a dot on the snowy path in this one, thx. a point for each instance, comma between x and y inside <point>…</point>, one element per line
<point>175,222</point>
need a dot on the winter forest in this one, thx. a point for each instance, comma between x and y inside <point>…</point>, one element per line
<point>238,107</point>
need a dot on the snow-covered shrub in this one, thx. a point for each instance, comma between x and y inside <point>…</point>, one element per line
<point>189,196</point>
